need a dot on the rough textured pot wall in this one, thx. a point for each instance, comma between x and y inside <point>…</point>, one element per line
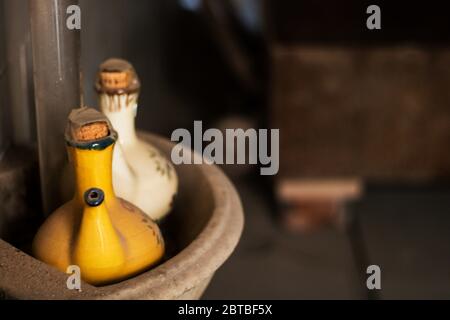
<point>207,225</point>
<point>380,113</point>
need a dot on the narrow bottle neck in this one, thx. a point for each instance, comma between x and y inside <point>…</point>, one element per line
<point>121,112</point>
<point>93,169</point>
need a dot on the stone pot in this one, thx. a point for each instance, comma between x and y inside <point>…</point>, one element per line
<point>201,234</point>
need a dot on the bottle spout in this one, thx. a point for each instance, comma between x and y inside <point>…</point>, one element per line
<point>94,197</point>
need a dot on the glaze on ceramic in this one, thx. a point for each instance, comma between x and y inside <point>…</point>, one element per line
<point>141,174</point>
<point>109,238</point>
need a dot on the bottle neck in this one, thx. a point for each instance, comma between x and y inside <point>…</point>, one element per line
<point>121,112</point>
<point>93,169</point>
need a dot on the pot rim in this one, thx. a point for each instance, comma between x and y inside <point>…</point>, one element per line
<point>193,265</point>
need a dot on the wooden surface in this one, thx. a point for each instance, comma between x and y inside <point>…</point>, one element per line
<point>377,113</point>
<point>270,263</point>
<point>406,233</point>
<point>319,189</point>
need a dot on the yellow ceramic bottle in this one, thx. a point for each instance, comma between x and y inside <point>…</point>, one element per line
<point>107,237</point>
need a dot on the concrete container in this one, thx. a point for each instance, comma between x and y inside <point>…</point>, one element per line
<point>201,233</point>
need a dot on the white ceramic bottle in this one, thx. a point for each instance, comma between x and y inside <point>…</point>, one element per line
<point>141,174</point>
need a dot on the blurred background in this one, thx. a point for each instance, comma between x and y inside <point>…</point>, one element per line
<point>364,119</point>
